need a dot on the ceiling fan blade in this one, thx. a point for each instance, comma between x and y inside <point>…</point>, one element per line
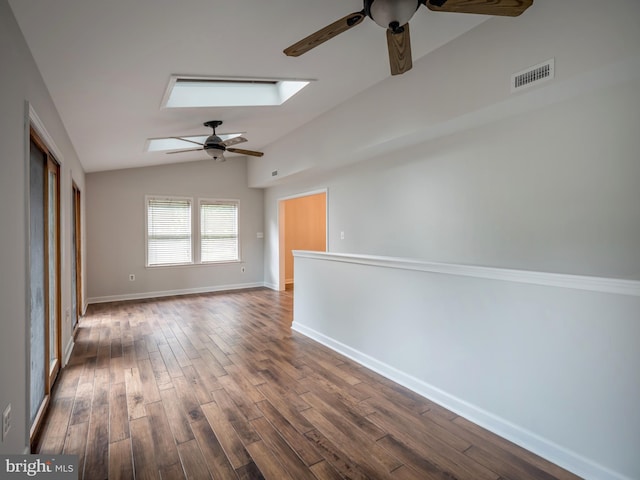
<point>234,141</point>
<point>245,152</point>
<point>399,45</point>
<point>324,34</point>
<point>508,8</point>
<point>186,140</point>
<point>187,150</point>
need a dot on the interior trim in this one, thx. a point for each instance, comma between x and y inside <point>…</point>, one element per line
<point>562,280</point>
<point>171,293</point>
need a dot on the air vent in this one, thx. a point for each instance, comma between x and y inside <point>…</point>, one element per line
<point>532,76</point>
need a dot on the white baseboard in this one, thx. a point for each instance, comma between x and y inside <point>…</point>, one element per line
<point>68,350</point>
<point>522,437</point>
<point>170,293</point>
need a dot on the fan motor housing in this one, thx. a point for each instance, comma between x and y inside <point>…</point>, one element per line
<point>391,14</point>
<point>213,141</point>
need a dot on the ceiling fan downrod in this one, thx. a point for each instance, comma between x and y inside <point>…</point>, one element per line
<point>395,27</point>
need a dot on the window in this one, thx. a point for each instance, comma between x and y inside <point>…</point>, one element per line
<point>218,231</point>
<point>228,92</point>
<point>174,228</point>
<point>169,231</point>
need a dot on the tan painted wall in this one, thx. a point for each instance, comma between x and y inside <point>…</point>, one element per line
<point>305,227</point>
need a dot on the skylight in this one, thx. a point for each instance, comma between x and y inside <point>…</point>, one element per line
<point>162,144</point>
<point>229,92</point>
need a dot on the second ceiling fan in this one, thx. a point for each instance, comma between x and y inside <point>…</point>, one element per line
<point>215,147</point>
<point>394,16</point>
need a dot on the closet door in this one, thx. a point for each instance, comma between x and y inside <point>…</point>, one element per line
<point>44,278</point>
<point>38,356</point>
<point>53,268</point>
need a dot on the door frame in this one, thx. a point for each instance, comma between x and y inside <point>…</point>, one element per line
<point>34,130</point>
<point>282,229</point>
<point>54,368</point>
<point>77,227</point>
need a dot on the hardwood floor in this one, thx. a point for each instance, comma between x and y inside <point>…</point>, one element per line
<point>218,386</point>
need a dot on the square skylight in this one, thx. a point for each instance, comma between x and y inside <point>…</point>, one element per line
<point>186,91</point>
<point>162,144</point>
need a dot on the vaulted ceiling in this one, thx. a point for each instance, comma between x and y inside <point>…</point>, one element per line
<point>107,66</point>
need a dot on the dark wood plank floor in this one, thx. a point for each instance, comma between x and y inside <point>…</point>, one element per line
<point>218,386</point>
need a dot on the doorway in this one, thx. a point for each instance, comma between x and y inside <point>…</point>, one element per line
<point>44,278</point>
<point>302,226</point>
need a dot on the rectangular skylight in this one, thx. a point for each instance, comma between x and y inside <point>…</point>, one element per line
<point>186,91</point>
<point>162,144</point>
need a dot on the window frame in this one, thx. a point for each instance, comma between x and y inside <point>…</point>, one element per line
<point>196,229</point>
<point>220,201</point>
<point>148,199</point>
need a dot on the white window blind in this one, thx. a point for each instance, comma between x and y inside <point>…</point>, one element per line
<point>168,231</point>
<point>218,231</point>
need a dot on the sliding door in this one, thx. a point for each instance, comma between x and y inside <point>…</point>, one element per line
<point>53,268</point>
<point>44,277</point>
<point>38,364</point>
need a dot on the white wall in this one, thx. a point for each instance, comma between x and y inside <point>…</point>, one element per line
<point>116,222</point>
<point>444,164</point>
<point>549,361</point>
<point>464,83</point>
<point>555,190</point>
<point>20,82</point>
<point>552,190</point>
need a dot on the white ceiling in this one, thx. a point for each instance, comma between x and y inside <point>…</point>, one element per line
<point>107,65</point>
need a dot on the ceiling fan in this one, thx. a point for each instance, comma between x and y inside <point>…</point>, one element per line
<point>394,15</point>
<point>215,146</point>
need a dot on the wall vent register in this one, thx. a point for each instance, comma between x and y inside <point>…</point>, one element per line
<point>533,75</point>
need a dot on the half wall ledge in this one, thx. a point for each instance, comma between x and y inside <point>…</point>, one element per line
<point>548,361</point>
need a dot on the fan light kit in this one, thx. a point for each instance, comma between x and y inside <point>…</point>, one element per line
<point>394,16</point>
<point>215,147</point>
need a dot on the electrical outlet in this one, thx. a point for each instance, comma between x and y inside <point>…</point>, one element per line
<point>6,422</point>
<point>132,277</point>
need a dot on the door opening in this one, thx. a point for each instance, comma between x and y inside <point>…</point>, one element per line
<point>302,226</point>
